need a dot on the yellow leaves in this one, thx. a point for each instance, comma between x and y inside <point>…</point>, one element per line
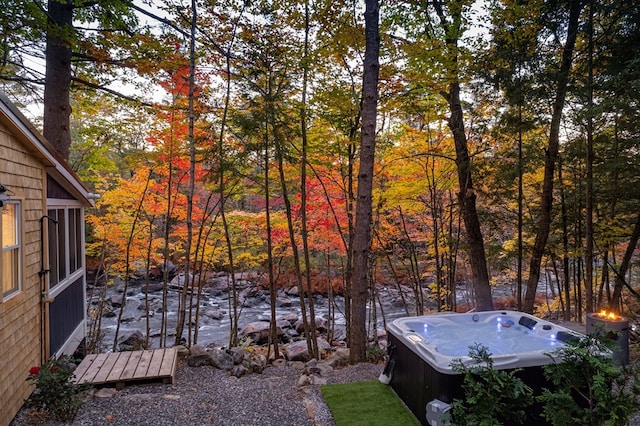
<point>418,166</point>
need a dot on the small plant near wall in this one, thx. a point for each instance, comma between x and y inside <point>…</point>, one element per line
<point>588,388</point>
<point>492,397</point>
<point>375,353</point>
<point>55,393</point>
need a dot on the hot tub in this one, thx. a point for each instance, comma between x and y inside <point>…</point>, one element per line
<point>421,350</point>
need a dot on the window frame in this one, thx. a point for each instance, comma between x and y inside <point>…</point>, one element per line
<point>16,288</point>
<point>64,278</point>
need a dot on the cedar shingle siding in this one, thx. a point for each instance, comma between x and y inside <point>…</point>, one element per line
<point>36,176</point>
<point>20,315</point>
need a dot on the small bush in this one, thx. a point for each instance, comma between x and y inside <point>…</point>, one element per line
<point>492,397</point>
<point>55,393</point>
<point>588,388</point>
<point>375,354</point>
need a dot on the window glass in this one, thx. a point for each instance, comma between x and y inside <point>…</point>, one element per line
<point>62,245</point>
<point>75,244</point>
<point>10,233</point>
<point>9,225</point>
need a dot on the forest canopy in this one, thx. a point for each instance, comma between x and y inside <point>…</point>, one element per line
<point>226,136</point>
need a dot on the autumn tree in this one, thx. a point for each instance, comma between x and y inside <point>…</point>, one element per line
<point>362,231</point>
<point>442,26</point>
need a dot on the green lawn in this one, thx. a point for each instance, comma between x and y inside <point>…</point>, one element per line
<point>366,403</point>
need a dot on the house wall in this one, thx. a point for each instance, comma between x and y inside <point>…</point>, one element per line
<point>20,316</point>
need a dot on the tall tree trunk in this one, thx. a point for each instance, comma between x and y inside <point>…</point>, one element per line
<point>565,246</point>
<point>166,233</point>
<point>520,202</point>
<point>467,201</point>
<point>588,257</point>
<point>312,343</point>
<point>57,108</point>
<point>544,221</point>
<point>234,314</point>
<point>273,331</point>
<point>466,195</point>
<point>362,236</point>
<point>182,311</point>
<point>311,330</point>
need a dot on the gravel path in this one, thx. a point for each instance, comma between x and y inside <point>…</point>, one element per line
<point>207,396</point>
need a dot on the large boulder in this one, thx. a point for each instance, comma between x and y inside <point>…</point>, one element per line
<point>116,300</point>
<point>222,359</point>
<point>215,314</point>
<point>256,363</point>
<point>132,341</point>
<point>298,351</point>
<point>321,325</point>
<point>239,370</point>
<point>290,317</point>
<point>339,358</point>
<point>258,332</point>
<point>199,357</point>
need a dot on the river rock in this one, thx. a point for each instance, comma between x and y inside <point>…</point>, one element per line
<point>339,358</point>
<point>290,317</point>
<point>116,300</point>
<point>258,331</point>
<point>105,393</point>
<point>182,350</point>
<point>133,341</point>
<point>179,280</point>
<point>222,359</point>
<point>215,314</point>
<point>321,325</point>
<point>237,354</point>
<point>298,351</point>
<point>283,302</point>
<point>199,357</point>
<point>239,370</point>
<point>255,363</point>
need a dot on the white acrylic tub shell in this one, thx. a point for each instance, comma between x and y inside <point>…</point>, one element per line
<point>515,339</point>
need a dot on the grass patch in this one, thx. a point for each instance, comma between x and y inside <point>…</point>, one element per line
<point>366,403</point>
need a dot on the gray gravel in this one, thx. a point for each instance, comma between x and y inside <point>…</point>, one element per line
<point>207,396</point>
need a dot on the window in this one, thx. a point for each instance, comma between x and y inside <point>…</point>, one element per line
<point>10,236</point>
<point>65,243</point>
<point>75,240</point>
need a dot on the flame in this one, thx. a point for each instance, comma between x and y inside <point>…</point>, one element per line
<point>608,315</point>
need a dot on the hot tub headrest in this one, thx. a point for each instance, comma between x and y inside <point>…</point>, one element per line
<point>527,322</point>
<point>566,337</point>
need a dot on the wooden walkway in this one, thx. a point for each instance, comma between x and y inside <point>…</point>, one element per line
<point>122,368</point>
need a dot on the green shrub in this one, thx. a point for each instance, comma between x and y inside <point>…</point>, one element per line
<point>588,388</point>
<point>55,393</point>
<point>375,353</point>
<point>492,397</point>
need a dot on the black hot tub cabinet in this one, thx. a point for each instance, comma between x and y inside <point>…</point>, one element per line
<point>422,349</point>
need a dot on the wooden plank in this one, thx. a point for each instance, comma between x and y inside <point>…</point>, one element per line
<point>156,362</point>
<point>130,368</point>
<point>121,367</point>
<point>106,368</point>
<point>143,365</point>
<point>118,367</point>
<point>78,373</point>
<point>168,367</point>
<point>94,368</point>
